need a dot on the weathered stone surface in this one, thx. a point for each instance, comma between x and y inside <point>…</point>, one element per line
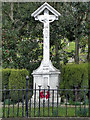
<point>46,74</point>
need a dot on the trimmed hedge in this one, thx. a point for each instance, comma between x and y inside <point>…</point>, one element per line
<point>74,75</point>
<point>5,78</point>
<point>13,78</point>
<point>71,75</point>
<point>17,80</point>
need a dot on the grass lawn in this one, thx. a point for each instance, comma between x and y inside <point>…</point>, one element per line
<point>61,112</point>
<point>70,47</point>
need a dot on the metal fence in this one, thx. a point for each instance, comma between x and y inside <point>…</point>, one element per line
<point>48,102</point>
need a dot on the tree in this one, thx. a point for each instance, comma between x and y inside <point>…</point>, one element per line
<point>89,72</point>
<point>16,24</point>
<point>19,23</point>
<point>88,58</point>
<point>22,35</point>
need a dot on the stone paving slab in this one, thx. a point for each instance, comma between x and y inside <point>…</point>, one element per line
<point>49,118</point>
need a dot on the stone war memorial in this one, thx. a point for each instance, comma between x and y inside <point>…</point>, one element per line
<point>46,75</point>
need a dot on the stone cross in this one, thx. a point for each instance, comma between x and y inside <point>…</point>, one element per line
<point>46,74</point>
<point>46,19</point>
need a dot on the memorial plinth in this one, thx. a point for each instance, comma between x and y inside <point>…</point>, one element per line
<point>46,74</point>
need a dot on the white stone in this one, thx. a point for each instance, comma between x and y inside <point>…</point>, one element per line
<point>46,74</point>
<point>42,8</point>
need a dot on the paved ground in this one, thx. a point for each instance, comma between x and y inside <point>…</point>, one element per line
<point>51,118</point>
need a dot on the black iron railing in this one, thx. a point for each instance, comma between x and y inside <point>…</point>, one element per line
<point>45,102</point>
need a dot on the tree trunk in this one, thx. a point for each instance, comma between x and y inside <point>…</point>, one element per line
<point>89,75</point>
<point>88,57</point>
<point>57,56</point>
<point>11,14</point>
<point>77,51</point>
<point>56,6</point>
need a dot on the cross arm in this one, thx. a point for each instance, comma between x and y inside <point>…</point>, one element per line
<point>46,18</point>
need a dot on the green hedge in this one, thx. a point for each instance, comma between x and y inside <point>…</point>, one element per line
<point>17,79</point>
<point>71,75</point>
<point>5,77</point>
<point>5,80</point>
<point>14,78</point>
<point>74,75</point>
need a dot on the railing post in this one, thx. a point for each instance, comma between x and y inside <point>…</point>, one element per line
<point>39,99</point>
<point>89,102</point>
<point>13,99</point>
<point>75,100</point>
<point>30,102</point>
<point>35,99</point>
<point>84,101</point>
<point>48,99</point>
<point>80,100</point>
<point>52,101</point>
<point>9,104</point>
<point>44,103</point>
<point>4,102</point>
<point>66,103</point>
<point>27,78</point>
<point>57,100</point>
<point>23,103</point>
<point>18,105</point>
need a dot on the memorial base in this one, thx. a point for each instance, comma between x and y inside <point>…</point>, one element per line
<point>46,75</point>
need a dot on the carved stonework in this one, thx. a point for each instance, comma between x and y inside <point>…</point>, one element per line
<point>46,74</point>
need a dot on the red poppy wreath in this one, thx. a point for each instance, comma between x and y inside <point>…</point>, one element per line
<point>42,96</point>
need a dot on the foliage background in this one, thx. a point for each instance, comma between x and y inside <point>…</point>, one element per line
<point>22,40</point>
